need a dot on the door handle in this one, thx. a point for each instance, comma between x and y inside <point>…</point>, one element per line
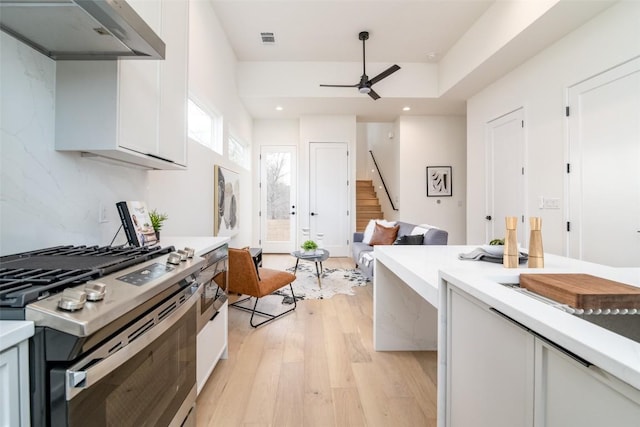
<point>313,214</point>
<point>84,374</point>
<point>293,213</point>
<point>488,218</point>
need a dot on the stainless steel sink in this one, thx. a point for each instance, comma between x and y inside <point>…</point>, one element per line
<point>621,322</point>
<point>627,325</point>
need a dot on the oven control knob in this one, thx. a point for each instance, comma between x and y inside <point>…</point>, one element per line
<point>190,252</point>
<point>72,300</point>
<point>183,254</point>
<point>173,258</point>
<point>95,291</point>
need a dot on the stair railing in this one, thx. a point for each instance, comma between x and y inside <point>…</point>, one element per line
<point>382,179</point>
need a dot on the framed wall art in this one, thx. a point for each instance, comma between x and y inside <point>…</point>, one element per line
<point>226,197</point>
<point>439,181</point>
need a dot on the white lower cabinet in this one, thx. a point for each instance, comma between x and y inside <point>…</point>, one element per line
<point>570,393</point>
<point>14,386</point>
<point>212,345</point>
<point>9,386</point>
<point>499,373</point>
<point>489,367</point>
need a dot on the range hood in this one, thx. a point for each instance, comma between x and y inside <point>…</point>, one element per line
<point>81,29</point>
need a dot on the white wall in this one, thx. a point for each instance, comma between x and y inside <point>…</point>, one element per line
<point>433,141</point>
<point>363,172</point>
<point>281,79</point>
<point>49,198</point>
<point>187,196</point>
<point>539,86</point>
<point>494,30</point>
<point>213,68</point>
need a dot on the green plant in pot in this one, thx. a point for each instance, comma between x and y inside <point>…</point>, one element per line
<point>157,219</point>
<point>309,246</point>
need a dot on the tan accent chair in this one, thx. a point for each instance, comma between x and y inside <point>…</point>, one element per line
<point>246,279</point>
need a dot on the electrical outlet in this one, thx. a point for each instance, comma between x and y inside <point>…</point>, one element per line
<point>102,213</point>
<point>549,203</point>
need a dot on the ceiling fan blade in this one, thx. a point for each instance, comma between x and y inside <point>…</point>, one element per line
<point>385,73</point>
<point>339,85</point>
<point>373,94</point>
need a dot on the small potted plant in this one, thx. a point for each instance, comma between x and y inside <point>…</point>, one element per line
<point>495,247</point>
<point>156,221</point>
<point>309,247</point>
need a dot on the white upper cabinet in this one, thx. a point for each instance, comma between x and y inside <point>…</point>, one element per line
<point>132,110</point>
<point>173,75</point>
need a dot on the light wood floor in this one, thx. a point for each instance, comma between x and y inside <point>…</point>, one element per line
<point>317,367</point>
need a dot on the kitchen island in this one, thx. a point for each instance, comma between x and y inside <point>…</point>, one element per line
<point>505,358</point>
<point>406,291</point>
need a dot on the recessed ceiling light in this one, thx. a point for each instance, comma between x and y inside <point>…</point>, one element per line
<point>406,108</point>
<point>432,56</point>
<point>279,108</point>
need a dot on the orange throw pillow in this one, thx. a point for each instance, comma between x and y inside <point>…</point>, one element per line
<point>384,235</point>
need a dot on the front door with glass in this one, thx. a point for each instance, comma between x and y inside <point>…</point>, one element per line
<point>278,198</point>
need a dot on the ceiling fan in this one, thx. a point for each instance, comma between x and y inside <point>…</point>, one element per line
<point>364,86</point>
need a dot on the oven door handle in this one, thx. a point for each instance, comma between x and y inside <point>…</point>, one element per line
<point>79,378</point>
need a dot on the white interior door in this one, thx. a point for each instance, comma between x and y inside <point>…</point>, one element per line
<point>278,207</point>
<point>505,182</point>
<point>604,182</point>
<point>329,195</point>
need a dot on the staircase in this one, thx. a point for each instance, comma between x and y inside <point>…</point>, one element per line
<point>367,204</point>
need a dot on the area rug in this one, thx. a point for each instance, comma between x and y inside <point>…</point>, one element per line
<point>334,281</point>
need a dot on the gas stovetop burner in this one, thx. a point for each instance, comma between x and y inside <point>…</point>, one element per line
<point>31,276</point>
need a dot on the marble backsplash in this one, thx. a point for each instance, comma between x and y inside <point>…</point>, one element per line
<point>50,198</point>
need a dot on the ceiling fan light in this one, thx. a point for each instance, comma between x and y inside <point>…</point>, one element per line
<point>364,89</point>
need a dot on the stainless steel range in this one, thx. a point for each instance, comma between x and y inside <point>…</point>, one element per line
<point>115,340</point>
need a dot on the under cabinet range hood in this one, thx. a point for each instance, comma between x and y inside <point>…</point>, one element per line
<point>81,29</point>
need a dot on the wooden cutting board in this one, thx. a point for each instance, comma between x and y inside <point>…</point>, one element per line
<point>582,290</point>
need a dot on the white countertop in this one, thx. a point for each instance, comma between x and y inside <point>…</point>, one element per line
<point>422,267</point>
<point>419,265</point>
<point>13,332</point>
<point>202,244</point>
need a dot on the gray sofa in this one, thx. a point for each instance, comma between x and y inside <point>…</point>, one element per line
<point>363,253</point>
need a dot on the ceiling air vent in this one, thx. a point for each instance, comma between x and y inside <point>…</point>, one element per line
<point>268,38</point>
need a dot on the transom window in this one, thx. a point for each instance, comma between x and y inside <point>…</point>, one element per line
<point>204,126</point>
<point>239,152</point>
